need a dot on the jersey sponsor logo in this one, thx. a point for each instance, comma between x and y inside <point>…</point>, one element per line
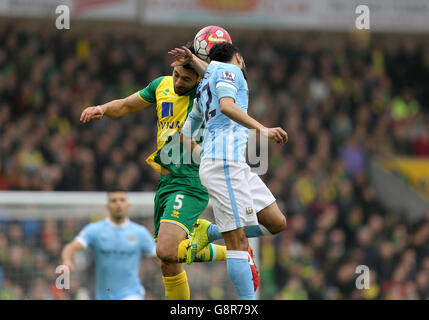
<point>167,109</point>
<point>169,125</point>
<point>213,39</point>
<point>228,76</point>
<point>117,252</point>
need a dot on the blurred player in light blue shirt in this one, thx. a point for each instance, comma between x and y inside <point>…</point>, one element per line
<point>117,245</point>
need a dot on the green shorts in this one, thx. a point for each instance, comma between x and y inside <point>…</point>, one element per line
<point>179,200</point>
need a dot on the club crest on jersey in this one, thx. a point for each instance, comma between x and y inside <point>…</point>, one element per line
<point>228,76</point>
<point>249,211</point>
<point>131,239</point>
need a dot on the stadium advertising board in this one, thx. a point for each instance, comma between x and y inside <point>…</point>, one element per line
<point>386,15</point>
<point>91,9</point>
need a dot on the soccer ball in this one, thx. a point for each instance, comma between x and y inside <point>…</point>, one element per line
<point>206,38</point>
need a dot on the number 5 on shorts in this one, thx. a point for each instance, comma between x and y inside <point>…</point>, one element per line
<point>178,202</point>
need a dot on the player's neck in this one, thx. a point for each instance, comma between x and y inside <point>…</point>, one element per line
<point>234,62</point>
<point>118,222</point>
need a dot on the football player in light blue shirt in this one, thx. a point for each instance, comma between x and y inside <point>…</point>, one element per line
<point>222,102</point>
<point>117,245</point>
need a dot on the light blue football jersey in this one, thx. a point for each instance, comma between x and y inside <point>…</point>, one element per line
<point>117,251</point>
<point>223,137</point>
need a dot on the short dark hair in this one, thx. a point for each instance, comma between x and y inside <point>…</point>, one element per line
<point>223,52</point>
<point>188,67</point>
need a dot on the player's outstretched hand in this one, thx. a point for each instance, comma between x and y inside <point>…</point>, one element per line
<point>91,113</point>
<point>182,55</point>
<point>276,134</point>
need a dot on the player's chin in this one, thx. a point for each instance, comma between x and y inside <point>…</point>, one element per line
<point>118,214</point>
<point>180,90</point>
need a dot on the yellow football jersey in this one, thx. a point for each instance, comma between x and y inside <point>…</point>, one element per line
<point>172,110</point>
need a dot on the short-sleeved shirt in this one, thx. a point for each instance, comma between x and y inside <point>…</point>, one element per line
<point>223,137</point>
<point>172,110</point>
<point>117,250</point>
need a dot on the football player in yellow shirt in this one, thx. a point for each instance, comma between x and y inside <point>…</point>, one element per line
<point>180,198</point>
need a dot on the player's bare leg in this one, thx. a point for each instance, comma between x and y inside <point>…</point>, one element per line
<point>272,218</point>
<point>173,243</point>
<point>174,276</point>
<point>236,240</point>
<point>169,237</point>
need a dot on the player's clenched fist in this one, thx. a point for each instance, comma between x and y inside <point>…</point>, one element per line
<point>277,134</point>
<point>90,113</point>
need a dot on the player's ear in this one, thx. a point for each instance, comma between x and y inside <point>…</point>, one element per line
<point>237,57</point>
<point>241,60</point>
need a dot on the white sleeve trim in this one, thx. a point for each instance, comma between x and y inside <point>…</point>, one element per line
<point>225,84</point>
<point>195,109</point>
<point>82,241</point>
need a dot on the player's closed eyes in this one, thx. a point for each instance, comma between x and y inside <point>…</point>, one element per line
<point>185,79</point>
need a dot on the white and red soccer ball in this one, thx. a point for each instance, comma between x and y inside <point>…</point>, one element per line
<point>207,37</point>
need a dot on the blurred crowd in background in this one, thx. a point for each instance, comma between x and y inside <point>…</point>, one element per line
<point>30,253</point>
<point>343,99</point>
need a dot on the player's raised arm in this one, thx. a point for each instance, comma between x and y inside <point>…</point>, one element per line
<point>230,82</point>
<point>234,112</point>
<point>115,108</point>
<point>185,56</point>
<point>68,253</point>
